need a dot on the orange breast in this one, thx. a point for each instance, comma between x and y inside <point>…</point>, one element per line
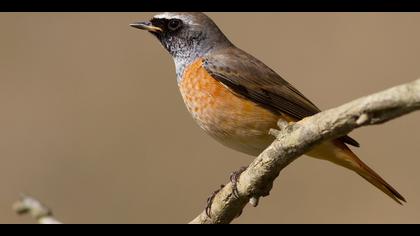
<point>232,120</point>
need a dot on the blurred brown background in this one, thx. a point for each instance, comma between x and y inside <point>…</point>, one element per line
<point>93,125</point>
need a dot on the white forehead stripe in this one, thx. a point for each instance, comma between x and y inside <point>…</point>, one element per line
<point>171,15</point>
<point>167,15</point>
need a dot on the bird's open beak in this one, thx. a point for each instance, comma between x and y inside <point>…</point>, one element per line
<point>146,26</point>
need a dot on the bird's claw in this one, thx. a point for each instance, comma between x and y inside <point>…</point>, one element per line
<point>234,178</point>
<point>211,199</point>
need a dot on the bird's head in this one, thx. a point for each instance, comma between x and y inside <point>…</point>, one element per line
<point>185,34</point>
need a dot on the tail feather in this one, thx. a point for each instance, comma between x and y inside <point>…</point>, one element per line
<point>371,176</point>
<point>338,153</point>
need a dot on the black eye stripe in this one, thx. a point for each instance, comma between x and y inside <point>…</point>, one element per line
<point>174,24</point>
<point>158,22</point>
<point>167,25</point>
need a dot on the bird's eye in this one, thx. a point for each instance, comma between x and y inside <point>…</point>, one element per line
<point>174,24</point>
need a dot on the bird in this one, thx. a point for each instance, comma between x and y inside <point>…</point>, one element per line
<point>236,98</point>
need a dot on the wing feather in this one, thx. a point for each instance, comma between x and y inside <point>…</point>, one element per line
<point>250,78</point>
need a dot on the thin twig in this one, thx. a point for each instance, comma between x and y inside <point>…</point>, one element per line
<point>30,205</point>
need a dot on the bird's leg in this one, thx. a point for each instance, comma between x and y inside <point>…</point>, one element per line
<point>234,178</point>
<point>211,199</point>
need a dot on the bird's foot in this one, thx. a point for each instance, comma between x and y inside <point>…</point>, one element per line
<point>234,178</point>
<point>211,199</point>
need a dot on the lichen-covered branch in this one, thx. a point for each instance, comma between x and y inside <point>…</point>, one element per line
<point>29,205</point>
<point>293,140</point>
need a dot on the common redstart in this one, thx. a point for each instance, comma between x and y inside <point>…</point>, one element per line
<point>236,98</point>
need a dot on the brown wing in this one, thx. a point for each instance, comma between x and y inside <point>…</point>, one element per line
<point>249,77</point>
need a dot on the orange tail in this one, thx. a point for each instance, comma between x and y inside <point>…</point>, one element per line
<point>370,175</point>
<point>338,153</point>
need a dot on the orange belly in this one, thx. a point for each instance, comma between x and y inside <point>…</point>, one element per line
<point>232,120</point>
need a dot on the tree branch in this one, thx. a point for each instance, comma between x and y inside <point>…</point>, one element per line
<point>294,140</point>
<point>29,205</point>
